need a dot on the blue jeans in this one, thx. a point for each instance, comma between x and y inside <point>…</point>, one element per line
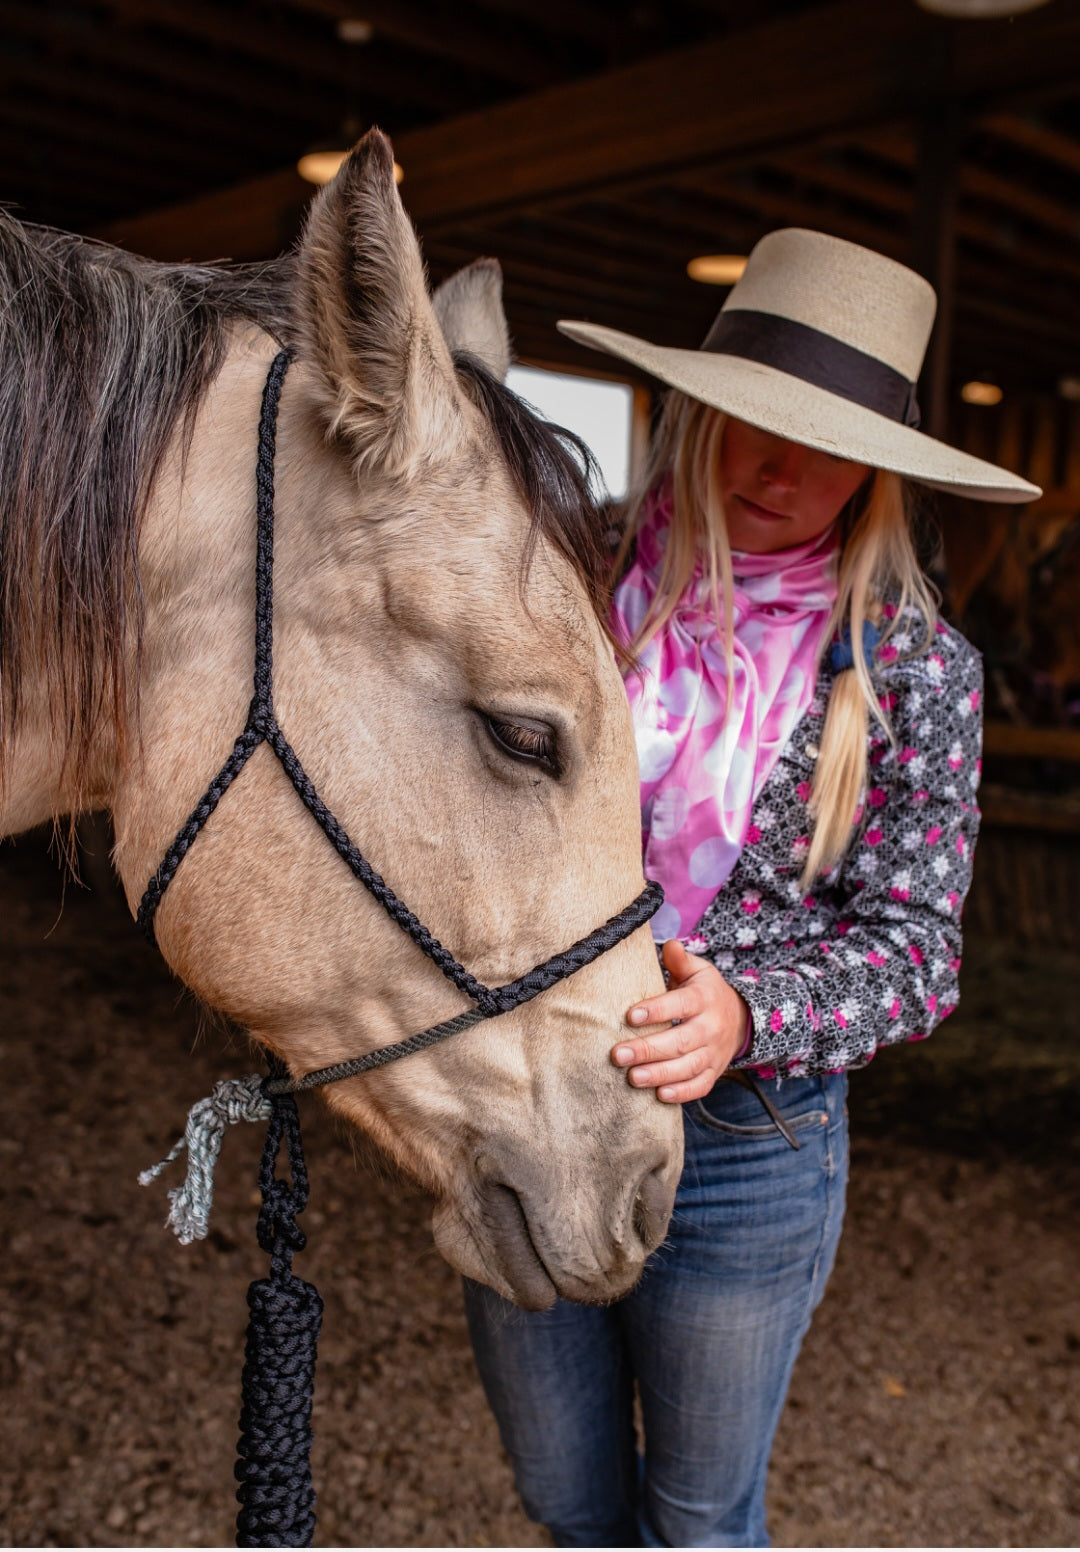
<point>709,1337</point>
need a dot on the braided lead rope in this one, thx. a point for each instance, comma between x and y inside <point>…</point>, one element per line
<point>232,1100</point>
<point>276,1492</point>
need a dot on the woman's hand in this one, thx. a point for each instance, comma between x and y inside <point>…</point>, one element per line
<point>685,1061</point>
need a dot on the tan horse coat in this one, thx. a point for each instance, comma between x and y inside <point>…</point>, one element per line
<point>405,638</point>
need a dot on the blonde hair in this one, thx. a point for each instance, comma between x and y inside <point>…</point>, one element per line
<point>877,558</point>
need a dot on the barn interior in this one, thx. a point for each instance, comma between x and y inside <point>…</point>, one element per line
<point>596,149</point>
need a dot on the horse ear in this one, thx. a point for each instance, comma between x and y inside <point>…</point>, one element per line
<point>366,321</point>
<point>469,308</point>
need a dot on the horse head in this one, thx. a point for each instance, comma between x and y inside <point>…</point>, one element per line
<point>443,674</point>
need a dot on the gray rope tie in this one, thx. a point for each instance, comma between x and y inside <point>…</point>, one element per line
<point>233,1099</point>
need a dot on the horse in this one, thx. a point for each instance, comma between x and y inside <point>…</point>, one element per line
<point>441,667</point>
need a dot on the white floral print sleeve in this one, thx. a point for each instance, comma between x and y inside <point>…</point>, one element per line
<point>871,956</point>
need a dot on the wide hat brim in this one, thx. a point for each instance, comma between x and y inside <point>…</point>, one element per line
<point>776,401</point>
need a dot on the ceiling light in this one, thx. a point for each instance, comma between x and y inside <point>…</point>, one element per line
<point>1069,387</point>
<point>321,166</point>
<point>353,29</point>
<point>717,269</point>
<point>976,9</point>
<point>981,393</point>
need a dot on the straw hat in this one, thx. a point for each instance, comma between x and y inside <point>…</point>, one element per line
<point>821,341</point>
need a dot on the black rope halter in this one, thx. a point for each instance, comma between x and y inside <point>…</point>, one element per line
<point>262,727</point>
<point>276,1493</point>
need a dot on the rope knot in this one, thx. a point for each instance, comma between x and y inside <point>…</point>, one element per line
<point>277,1218</point>
<point>232,1100</point>
<point>493,1000</point>
<point>261,712</point>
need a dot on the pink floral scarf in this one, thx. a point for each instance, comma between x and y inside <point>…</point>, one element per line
<point>703,761</point>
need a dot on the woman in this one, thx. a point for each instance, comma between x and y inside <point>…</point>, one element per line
<point>808,735</point>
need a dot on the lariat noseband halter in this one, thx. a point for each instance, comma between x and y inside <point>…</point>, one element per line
<point>276,1493</point>
<point>262,727</point>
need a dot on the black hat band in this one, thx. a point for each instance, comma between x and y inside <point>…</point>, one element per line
<point>816,358</point>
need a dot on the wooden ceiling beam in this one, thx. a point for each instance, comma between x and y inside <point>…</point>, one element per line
<point>1052,331</point>
<point>581,286</point>
<point>1011,196</point>
<point>848,182</point>
<point>579,249</point>
<point>990,233</point>
<point>1048,144</point>
<point>724,98</point>
<point>175,68</point>
<point>627,190</point>
<point>573,18</point>
<point>478,45</point>
<point>890,196</point>
<point>292,50</point>
<point>744,96</point>
<point>658,262</point>
<point>798,205</point>
<point>35,114</point>
<point>70,170</point>
<point>130,98</point>
<point>804,75</point>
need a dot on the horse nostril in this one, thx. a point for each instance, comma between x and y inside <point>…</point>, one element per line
<point>641,1219</point>
<point>652,1208</point>
<point>507,1223</point>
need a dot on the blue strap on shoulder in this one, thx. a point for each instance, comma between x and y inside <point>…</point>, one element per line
<point>841,654</point>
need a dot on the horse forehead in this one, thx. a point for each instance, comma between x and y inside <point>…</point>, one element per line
<point>484,583</point>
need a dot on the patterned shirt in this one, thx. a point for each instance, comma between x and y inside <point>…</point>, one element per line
<point>870,957</point>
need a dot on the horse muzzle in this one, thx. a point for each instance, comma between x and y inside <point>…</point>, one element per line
<point>535,1237</point>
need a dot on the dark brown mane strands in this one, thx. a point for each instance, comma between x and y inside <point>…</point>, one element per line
<point>102,355</point>
<point>552,469</point>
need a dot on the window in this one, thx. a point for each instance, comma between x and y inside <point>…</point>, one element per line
<point>601,413</point>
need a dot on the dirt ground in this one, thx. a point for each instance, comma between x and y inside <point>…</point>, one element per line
<point>935,1402</point>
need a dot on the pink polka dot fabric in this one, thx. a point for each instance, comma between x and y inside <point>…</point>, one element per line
<point>703,758</point>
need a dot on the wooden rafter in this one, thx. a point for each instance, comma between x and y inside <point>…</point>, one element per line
<point>293,51</point>
<point>483,46</point>
<point>181,68</point>
<point>802,78</point>
<point>1046,143</point>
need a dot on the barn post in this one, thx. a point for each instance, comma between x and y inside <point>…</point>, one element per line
<point>939,135</point>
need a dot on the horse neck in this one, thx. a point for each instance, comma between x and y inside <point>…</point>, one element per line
<point>194,539</point>
<point>39,780</point>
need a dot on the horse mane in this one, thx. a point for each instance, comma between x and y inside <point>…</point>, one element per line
<point>555,474</point>
<point>102,355</point>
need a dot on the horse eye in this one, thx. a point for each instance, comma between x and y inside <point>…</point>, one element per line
<point>530,741</point>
